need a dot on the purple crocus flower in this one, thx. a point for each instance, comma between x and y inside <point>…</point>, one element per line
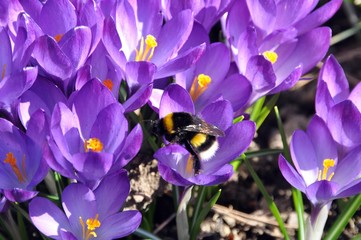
<point>320,172</point>
<point>337,106</point>
<point>333,88</point>
<point>143,37</point>
<point>208,80</point>
<point>66,35</point>
<point>15,76</point>
<point>173,158</point>
<point>273,51</point>
<point>87,214</point>
<point>89,137</point>
<point>207,13</point>
<point>22,164</point>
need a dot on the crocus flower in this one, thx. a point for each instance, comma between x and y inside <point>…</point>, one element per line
<point>333,88</point>
<point>22,164</point>
<point>337,106</point>
<point>90,136</point>
<point>271,51</point>
<point>173,158</point>
<point>67,34</point>
<point>320,172</point>
<point>15,76</point>
<point>143,37</point>
<point>207,13</point>
<point>87,214</point>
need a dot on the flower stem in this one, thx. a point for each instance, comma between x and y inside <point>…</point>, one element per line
<point>271,204</point>
<point>317,220</point>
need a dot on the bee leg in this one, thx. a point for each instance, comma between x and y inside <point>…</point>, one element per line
<point>196,160</point>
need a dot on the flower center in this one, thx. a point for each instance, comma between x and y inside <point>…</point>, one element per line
<point>108,83</point>
<point>199,85</point>
<point>270,56</point>
<point>3,71</point>
<point>322,174</point>
<point>11,160</point>
<point>93,144</point>
<point>146,54</point>
<point>92,224</point>
<point>58,37</point>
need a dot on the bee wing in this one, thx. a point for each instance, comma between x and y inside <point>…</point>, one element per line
<point>205,128</point>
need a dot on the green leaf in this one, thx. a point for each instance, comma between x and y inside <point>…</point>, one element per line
<point>202,215</point>
<point>145,234</point>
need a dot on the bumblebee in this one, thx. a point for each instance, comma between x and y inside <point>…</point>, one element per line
<point>192,132</point>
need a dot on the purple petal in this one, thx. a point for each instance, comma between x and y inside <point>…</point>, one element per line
<point>344,122</point>
<point>237,140</point>
<point>52,58</point>
<point>78,201</point>
<point>318,17</point>
<point>112,119</point>
<point>92,165</point>
<point>349,168</point>
<point>57,17</point>
<point>97,97</point>
<point>289,82</point>
<point>290,174</point>
<point>149,15</point>
<point>76,45</point>
<point>126,27</point>
<point>172,37</point>
<point>119,225</point>
<point>198,36</point>
<point>47,217</point>
<point>304,156</point>
<point>355,96</point>
<point>5,52</point>
<point>220,176</point>
<point>171,176</point>
<point>112,43</point>
<point>64,127</point>
<point>247,47</point>
<point>350,190</point>
<point>139,99</point>
<point>111,193</point>
<point>175,99</point>
<point>19,195</point>
<point>263,13</point>
<point>322,141</point>
<point>180,63</point>
<point>139,73</point>
<point>309,50</point>
<point>175,157</point>
<point>321,192</point>
<point>132,145</point>
<point>219,113</point>
<point>260,73</point>
<point>291,11</point>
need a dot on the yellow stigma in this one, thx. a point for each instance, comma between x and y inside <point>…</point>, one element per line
<point>58,37</point>
<point>199,85</point>
<point>93,144</point>
<point>11,160</point>
<point>150,45</point>
<point>92,224</point>
<point>270,56</point>
<point>322,174</point>
<point>108,83</point>
<point>3,71</point>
